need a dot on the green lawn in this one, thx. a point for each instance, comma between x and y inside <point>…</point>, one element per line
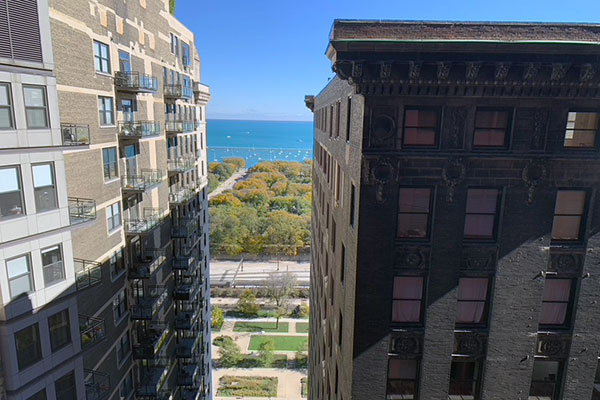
<point>236,386</point>
<point>260,326</point>
<point>282,343</point>
<point>301,327</point>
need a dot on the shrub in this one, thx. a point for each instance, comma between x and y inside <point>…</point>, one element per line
<point>247,303</point>
<point>217,317</point>
<point>220,340</point>
<point>230,354</point>
<point>300,311</point>
<point>238,162</point>
<point>266,352</point>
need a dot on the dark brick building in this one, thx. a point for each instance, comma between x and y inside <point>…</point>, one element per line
<point>456,214</point>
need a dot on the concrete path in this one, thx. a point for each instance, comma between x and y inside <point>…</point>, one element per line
<point>228,184</point>
<point>255,272</point>
<point>288,381</point>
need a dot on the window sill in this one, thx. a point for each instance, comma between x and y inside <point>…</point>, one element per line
<point>117,276</point>
<point>123,317</point>
<point>102,73</point>
<point>61,347</point>
<point>46,286</point>
<point>122,362</point>
<point>46,211</point>
<point>107,126</point>
<point>114,230</point>
<point>112,180</point>
<point>11,217</point>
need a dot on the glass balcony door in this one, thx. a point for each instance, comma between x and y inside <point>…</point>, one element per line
<point>124,61</point>
<point>127,109</point>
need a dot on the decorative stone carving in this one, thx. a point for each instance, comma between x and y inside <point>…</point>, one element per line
<point>453,174</point>
<point>470,344</point>
<point>479,259</point>
<point>414,69</point>
<point>530,71</point>
<point>559,71</point>
<point>566,263</point>
<point>386,70</point>
<point>443,70</point>
<point>381,172</point>
<point>472,70</point>
<point>412,258</point>
<point>587,72</point>
<point>501,71</point>
<point>383,129</point>
<point>540,125</point>
<point>533,175</point>
<point>357,70</point>
<point>553,345</point>
<point>406,344</point>
<point>343,69</point>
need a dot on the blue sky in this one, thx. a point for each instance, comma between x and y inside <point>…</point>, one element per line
<point>260,57</point>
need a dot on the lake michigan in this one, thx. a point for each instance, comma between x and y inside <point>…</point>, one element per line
<point>257,141</point>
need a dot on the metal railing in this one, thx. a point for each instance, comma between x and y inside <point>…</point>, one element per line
<point>144,266</point>
<point>153,376</point>
<point>178,91</point>
<point>151,219</point>
<point>147,306</point>
<point>184,228</point>
<point>181,164</point>
<point>183,262</point>
<point>97,385</point>
<point>175,126</point>
<point>151,341</point>
<point>181,195</point>
<point>81,210</point>
<point>75,134</point>
<point>186,319</point>
<point>91,329</point>
<point>188,126</point>
<point>148,178</point>
<point>87,273</point>
<point>136,82</point>
<point>138,129</point>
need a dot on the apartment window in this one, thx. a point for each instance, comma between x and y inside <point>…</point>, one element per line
<point>60,330</point>
<point>185,54</point>
<point>126,386</point>
<point>340,329</point>
<point>119,306</point>
<point>343,262</point>
<point>348,118</point>
<point>472,300</point>
<point>420,127</point>
<point>101,57</point>
<point>555,302</point>
<point>52,265</point>
<point>176,46</point>
<point>27,342</point>
<point>36,107</point>
<point>352,201</point>
<point>491,128</point>
<point>596,390</point>
<point>66,388</point>
<point>117,263</point>
<point>44,187</point>
<point>41,395</point>
<point>413,213</point>
<point>406,299</point>
<point>568,215</point>
<point>6,112</point>
<point>123,348</point>
<point>11,194</point>
<point>113,216</point>
<point>581,131</point>
<point>109,160</point>
<point>481,214</point>
<point>20,279</point>
<point>464,380</point>
<point>106,111</point>
<point>402,379</point>
<point>546,380</point>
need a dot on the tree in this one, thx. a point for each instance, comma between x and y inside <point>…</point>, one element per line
<point>279,286</point>
<point>230,354</point>
<point>172,7</point>
<point>266,352</point>
<point>217,317</point>
<point>247,303</point>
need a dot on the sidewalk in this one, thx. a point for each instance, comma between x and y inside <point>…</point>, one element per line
<point>228,184</point>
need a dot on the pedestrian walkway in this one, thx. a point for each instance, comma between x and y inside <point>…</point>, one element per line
<point>228,184</point>
<point>288,381</point>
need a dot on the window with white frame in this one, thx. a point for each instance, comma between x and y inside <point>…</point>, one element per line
<point>52,265</point>
<point>101,57</point>
<point>11,193</point>
<point>123,348</point>
<point>117,263</point>
<point>113,216</point>
<point>27,342</point>
<point>106,111</point>
<point>20,279</point>
<point>60,330</point>
<point>6,112</point>
<point>119,306</point>
<point>44,187</point>
<point>36,106</point>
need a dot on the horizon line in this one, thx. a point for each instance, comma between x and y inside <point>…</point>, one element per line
<point>257,120</point>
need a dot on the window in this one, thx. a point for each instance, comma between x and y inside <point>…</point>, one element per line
<point>41,395</point>
<point>402,379</point>
<point>106,111</point>
<point>109,159</point>
<point>480,218</point>
<point>176,46</point>
<point>60,330</point>
<point>464,380</point>
<point>491,127</point>
<point>413,213</point>
<point>341,330</point>
<point>555,302</point>
<point>348,119</point>
<point>123,348</point>
<point>126,386</point>
<point>352,201</point>
<point>6,112</point>
<point>66,388</point>
<point>119,306</point>
<point>343,261</point>
<point>546,379</point>
<point>581,131</point>
<point>406,299</point>
<point>44,187</point>
<point>568,215</point>
<point>472,299</point>
<point>20,279</point>
<point>185,54</point>
<point>117,263</point>
<point>172,43</point>
<point>36,109</point>
<point>11,195</point>
<point>101,57</point>
<point>420,127</point>
<point>596,390</point>
<point>52,264</point>
<point>27,342</point>
<point>113,216</point>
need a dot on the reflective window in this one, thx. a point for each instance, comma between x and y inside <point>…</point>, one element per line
<point>480,218</point>
<point>20,279</point>
<point>413,212</point>
<point>6,112</point>
<point>60,330</point>
<point>52,265</point>
<point>420,127</point>
<point>568,215</point>
<point>44,187</point>
<point>11,194</point>
<point>472,298</point>
<point>491,127</point>
<point>29,350</point>
<point>406,299</point>
<point>66,388</point>
<point>581,130</point>
<point>545,380</point>
<point>110,163</point>
<point>555,302</point>
<point>36,109</point>
<point>113,216</point>
<point>101,57</point>
<point>402,379</point>
<point>106,110</point>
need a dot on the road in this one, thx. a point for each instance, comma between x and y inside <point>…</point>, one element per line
<point>228,184</point>
<point>222,273</point>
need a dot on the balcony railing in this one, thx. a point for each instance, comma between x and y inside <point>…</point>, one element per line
<point>135,82</point>
<point>187,346</point>
<point>81,210</point>
<point>75,134</point>
<point>151,341</point>
<point>138,129</point>
<point>184,291</point>
<point>174,127</point>
<point>97,385</point>
<point>187,375</point>
<point>184,228</point>
<point>183,262</point>
<point>91,329</point>
<point>178,91</point>
<point>181,195</point>
<point>188,126</point>
<point>185,320</point>
<point>87,273</point>
<point>181,164</point>
<point>139,183</point>
<point>144,266</point>
<point>153,376</point>
<point>147,306</point>
<point>139,226</point>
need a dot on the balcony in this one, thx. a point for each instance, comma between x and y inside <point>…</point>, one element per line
<point>97,385</point>
<point>75,134</point>
<point>181,164</point>
<point>140,183</point>
<point>134,82</point>
<point>191,394</point>
<point>91,329</point>
<point>81,210</point>
<point>201,93</point>
<point>187,346</point>
<point>178,91</point>
<point>188,375</point>
<point>181,195</point>
<point>184,291</point>
<point>151,341</point>
<point>147,306</point>
<point>152,218</point>
<point>87,273</point>
<point>146,264</point>
<point>135,130</point>
<point>153,377</point>
<point>183,262</point>
<point>184,228</point>
<point>185,320</point>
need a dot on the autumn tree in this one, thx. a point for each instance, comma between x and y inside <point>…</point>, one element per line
<point>247,303</point>
<point>279,286</point>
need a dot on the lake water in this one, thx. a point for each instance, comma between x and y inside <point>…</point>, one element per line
<point>257,141</point>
